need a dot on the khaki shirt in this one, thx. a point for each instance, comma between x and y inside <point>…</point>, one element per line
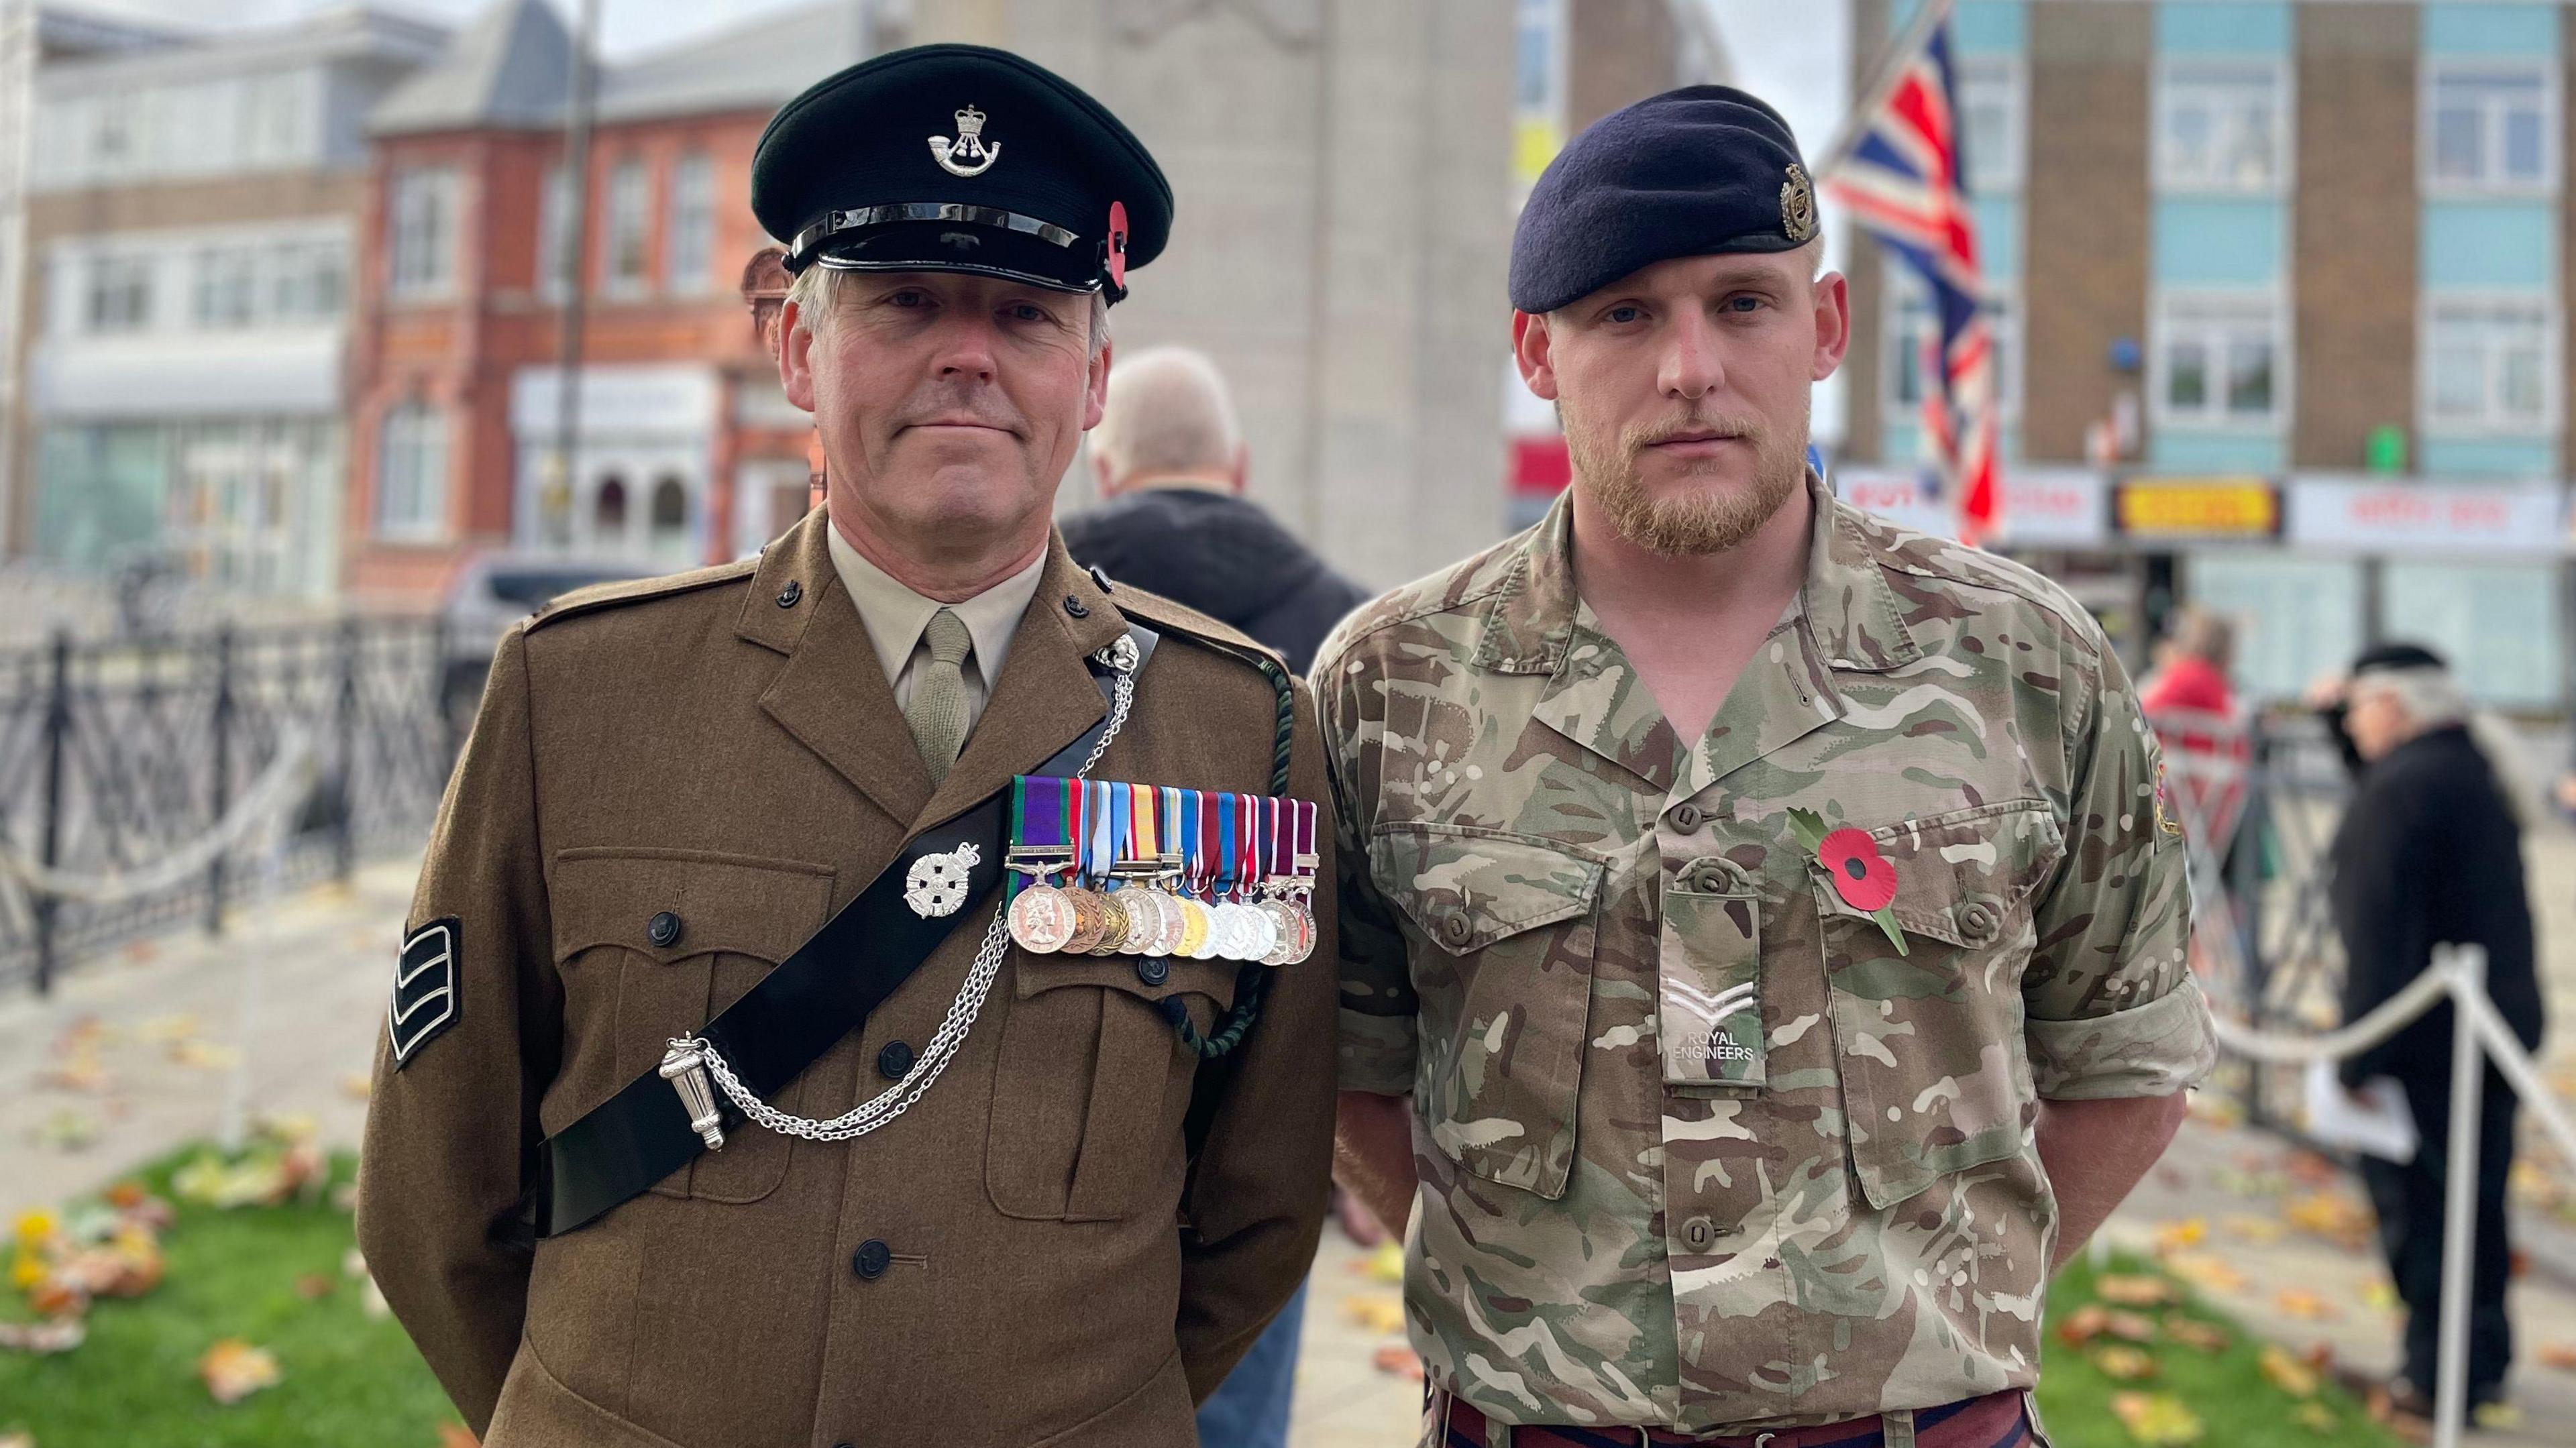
<point>895,616</point>
<point>1548,899</point>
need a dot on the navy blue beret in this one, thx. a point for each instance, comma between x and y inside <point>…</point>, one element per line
<point>960,158</point>
<point>1694,171</point>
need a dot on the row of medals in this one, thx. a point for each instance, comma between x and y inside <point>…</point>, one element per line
<point>1139,918</point>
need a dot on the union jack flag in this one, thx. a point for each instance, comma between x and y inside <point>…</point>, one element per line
<point>1904,179</point>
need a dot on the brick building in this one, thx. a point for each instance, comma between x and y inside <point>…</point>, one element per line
<point>2279,291</point>
<point>687,451</point>
<point>191,205</point>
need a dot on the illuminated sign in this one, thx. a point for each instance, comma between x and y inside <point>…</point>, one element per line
<point>2183,508</point>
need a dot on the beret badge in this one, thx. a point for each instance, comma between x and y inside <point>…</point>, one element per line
<point>1797,205</point>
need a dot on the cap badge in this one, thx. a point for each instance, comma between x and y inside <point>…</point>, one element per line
<point>1797,204</point>
<point>967,155</point>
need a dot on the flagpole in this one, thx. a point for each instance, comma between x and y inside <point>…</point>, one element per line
<point>1892,62</point>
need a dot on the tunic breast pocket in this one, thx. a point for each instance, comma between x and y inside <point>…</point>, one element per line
<point>1935,1073</point>
<point>1091,1080</point>
<point>653,944</point>
<point>1503,931</point>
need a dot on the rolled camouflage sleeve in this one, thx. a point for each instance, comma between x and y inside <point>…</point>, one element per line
<point>2112,1007</point>
<point>1377,1028</point>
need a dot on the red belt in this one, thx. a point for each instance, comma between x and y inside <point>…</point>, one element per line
<point>1993,1421</point>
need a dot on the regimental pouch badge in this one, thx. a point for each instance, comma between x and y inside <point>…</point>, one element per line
<point>424,1003</point>
<point>937,885</point>
<point>1709,972</point>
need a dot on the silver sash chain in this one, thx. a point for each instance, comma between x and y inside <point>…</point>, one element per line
<point>898,1098</point>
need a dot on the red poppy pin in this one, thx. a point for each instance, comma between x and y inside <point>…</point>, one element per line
<point>1861,875</point>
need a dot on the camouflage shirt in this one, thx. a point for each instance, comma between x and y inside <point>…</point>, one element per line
<point>1699,1147</point>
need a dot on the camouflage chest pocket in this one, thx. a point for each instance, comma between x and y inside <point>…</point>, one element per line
<point>1928,1042</point>
<point>1091,1082</point>
<point>653,944</point>
<point>1503,929</point>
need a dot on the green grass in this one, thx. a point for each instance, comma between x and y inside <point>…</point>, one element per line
<point>2237,1406</point>
<point>348,1379</point>
<point>345,1379</point>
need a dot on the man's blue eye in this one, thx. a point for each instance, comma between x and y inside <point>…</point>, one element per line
<point>1624,314</point>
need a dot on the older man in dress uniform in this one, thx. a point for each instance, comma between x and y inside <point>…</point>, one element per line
<point>717,1107</point>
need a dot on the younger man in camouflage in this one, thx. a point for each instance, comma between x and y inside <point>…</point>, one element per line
<point>1762,935</point>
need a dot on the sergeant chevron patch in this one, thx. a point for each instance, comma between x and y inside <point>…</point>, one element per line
<point>424,1001</point>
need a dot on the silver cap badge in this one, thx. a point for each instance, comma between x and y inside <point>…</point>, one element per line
<point>967,155</point>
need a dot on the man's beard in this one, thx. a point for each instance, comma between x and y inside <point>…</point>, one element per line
<point>1698,520</point>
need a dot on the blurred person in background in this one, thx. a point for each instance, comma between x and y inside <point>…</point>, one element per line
<point>2193,666</point>
<point>1171,463</point>
<point>2430,853</point>
<point>1170,459</point>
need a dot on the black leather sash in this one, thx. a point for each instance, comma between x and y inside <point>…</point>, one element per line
<point>784,1024</point>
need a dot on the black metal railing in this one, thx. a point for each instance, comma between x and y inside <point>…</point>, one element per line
<point>113,755</point>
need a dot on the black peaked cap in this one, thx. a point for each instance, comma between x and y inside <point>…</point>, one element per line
<point>959,158</point>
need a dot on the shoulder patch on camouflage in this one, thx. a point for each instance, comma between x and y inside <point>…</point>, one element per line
<point>424,1003</point>
<point>600,596</point>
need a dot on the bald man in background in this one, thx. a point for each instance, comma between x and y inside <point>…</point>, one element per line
<point>1170,459</point>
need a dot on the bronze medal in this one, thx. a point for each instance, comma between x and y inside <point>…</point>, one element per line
<point>1041,919</point>
<point>1305,944</point>
<point>1143,921</point>
<point>1167,922</point>
<point>1113,929</point>
<point>1283,928</point>
<point>1089,923</point>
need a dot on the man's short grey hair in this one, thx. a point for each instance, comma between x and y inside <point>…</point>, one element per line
<point>2429,697</point>
<point>816,293</point>
<point>1169,411</point>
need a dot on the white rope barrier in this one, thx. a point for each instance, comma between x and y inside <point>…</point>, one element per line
<point>2478,1033</point>
<point>281,785</point>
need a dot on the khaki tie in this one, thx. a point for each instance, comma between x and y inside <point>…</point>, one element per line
<point>937,712</point>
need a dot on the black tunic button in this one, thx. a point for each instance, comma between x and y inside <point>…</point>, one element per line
<point>1153,970</point>
<point>871,1260</point>
<point>1076,607</point>
<point>894,1060</point>
<point>793,591</point>
<point>663,929</point>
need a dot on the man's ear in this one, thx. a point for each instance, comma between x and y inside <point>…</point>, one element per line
<point>1530,353</point>
<point>1095,392</point>
<point>1833,324</point>
<point>796,356</point>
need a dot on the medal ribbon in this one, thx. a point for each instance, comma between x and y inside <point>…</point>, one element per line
<point>1140,805</point>
<point>1102,847</point>
<point>1225,819</point>
<point>1122,827</point>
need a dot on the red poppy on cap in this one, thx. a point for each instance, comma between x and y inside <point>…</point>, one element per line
<point>1862,876</point>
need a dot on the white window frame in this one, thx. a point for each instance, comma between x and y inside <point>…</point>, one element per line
<point>2493,423</point>
<point>629,185</point>
<point>689,232</point>
<point>2006,78</point>
<point>423,232</point>
<point>2243,306</point>
<point>292,283</point>
<point>226,272</point>
<point>2169,92</point>
<point>1903,293</point>
<point>423,430</point>
<point>2429,78</point>
<point>143,279</point>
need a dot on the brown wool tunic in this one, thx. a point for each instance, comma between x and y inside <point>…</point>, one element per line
<point>1027,1255</point>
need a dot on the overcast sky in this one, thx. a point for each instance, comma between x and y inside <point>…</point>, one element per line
<point>1799,63</point>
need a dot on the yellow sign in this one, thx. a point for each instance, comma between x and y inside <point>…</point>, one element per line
<point>2198,508</point>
